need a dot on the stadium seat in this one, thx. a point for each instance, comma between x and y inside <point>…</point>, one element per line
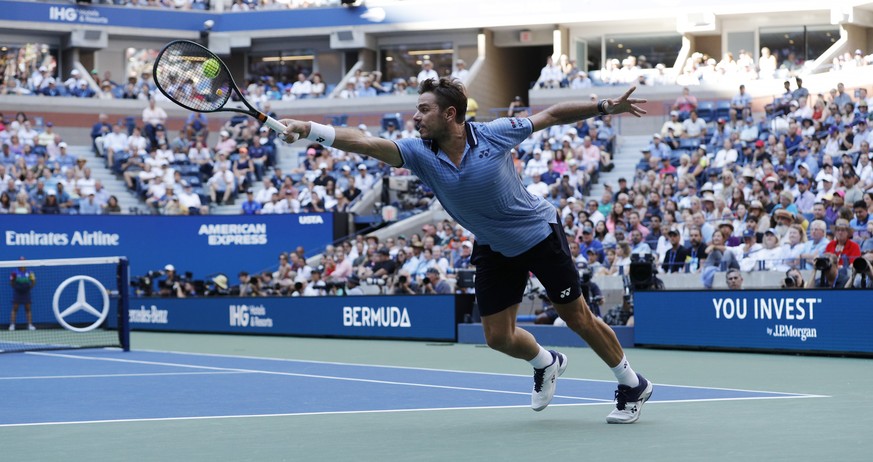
<point>706,111</point>
<point>722,110</point>
<point>395,118</point>
<point>339,120</point>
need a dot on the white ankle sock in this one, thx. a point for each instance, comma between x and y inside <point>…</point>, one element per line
<point>624,373</point>
<point>542,360</point>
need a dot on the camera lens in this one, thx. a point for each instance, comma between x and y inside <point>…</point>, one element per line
<point>860,265</point>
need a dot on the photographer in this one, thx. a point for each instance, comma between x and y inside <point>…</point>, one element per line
<point>862,271</point>
<point>247,287</point>
<point>354,286</point>
<point>403,285</point>
<point>433,283</point>
<point>316,286</point>
<point>831,275</point>
<point>793,279</point>
<point>171,284</point>
<point>622,315</point>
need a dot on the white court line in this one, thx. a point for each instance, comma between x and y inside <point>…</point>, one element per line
<point>374,411</point>
<point>563,378</point>
<point>93,376</point>
<point>294,374</point>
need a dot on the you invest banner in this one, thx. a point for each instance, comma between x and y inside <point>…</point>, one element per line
<point>766,320</point>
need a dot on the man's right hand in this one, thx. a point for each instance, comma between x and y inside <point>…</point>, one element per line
<point>295,130</point>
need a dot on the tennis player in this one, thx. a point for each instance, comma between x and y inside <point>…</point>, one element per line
<point>469,168</point>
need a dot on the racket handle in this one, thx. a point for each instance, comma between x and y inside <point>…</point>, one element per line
<point>275,125</point>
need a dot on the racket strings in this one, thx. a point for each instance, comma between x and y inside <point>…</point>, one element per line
<point>193,77</point>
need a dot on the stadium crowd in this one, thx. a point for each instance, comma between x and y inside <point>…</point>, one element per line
<point>765,193</point>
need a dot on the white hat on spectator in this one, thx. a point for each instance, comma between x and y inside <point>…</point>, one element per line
<point>74,72</point>
<point>804,165</point>
<point>707,187</point>
<point>346,168</point>
<point>827,177</point>
<point>572,131</point>
<point>225,133</point>
<point>467,244</point>
<point>62,145</point>
<point>572,161</point>
<point>657,135</point>
<point>674,113</point>
<point>571,200</point>
<point>322,166</point>
<point>362,127</point>
<point>169,268</point>
<point>43,69</point>
<point>708,197</point>
<point>362,167</point>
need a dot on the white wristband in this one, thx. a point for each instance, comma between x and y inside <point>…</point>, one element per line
<point>322,134</point>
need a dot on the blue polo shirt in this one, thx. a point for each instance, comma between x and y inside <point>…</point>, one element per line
<point>485,194</point>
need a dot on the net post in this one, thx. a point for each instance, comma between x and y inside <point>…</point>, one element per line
<point>124,304</point>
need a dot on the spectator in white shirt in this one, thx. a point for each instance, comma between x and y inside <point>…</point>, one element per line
<point>538,187</point>
<point>726,156</point>
<point>693,126</point>
<point>302,87</point>
<point>461,73</point>
<point>536,165</point>
<point>427,71</point>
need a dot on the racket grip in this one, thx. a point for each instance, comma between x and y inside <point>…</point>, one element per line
<point>275,125</point>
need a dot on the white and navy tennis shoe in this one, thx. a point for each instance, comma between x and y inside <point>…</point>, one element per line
<point>629,402</point>
<point>545,380</point>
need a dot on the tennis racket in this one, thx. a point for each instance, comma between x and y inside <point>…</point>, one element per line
<point>195,78</point>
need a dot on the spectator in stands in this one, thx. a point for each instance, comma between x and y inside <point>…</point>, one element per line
<point>461,73</point>
<point>89,206</point>
<point>685,104</point>
<point>551,75</point>
<point>427,72</point>
<point>734,279</point>
<point>250,206</point>
<point>859,223</point>
<point>22,205</point>
<point>693,126</point>
<point>741,100</point>
<point>153,117</point>
<point>221,185</point>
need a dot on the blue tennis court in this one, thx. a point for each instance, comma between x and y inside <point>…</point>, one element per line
<point>109,385</point>
<point>270,398</point>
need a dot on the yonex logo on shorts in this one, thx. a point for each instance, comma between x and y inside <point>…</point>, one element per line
<point>565,292</point>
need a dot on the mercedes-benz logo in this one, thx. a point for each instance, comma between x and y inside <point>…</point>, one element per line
<point>81,304</point>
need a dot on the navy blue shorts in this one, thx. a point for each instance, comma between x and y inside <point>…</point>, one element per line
<point>501,280</point>
<point>21,297</point>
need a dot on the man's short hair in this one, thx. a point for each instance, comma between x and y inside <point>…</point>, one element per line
<point>449,92</point>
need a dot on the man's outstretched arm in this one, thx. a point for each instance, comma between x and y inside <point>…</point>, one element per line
<point>573,111</point>
<point>344,138</point>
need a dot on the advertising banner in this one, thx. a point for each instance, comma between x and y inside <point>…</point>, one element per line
<point>766,320</point>
<point>422,317</point>
<point>203,245</point>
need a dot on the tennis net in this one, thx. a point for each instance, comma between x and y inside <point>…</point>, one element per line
<point>73,303</point>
